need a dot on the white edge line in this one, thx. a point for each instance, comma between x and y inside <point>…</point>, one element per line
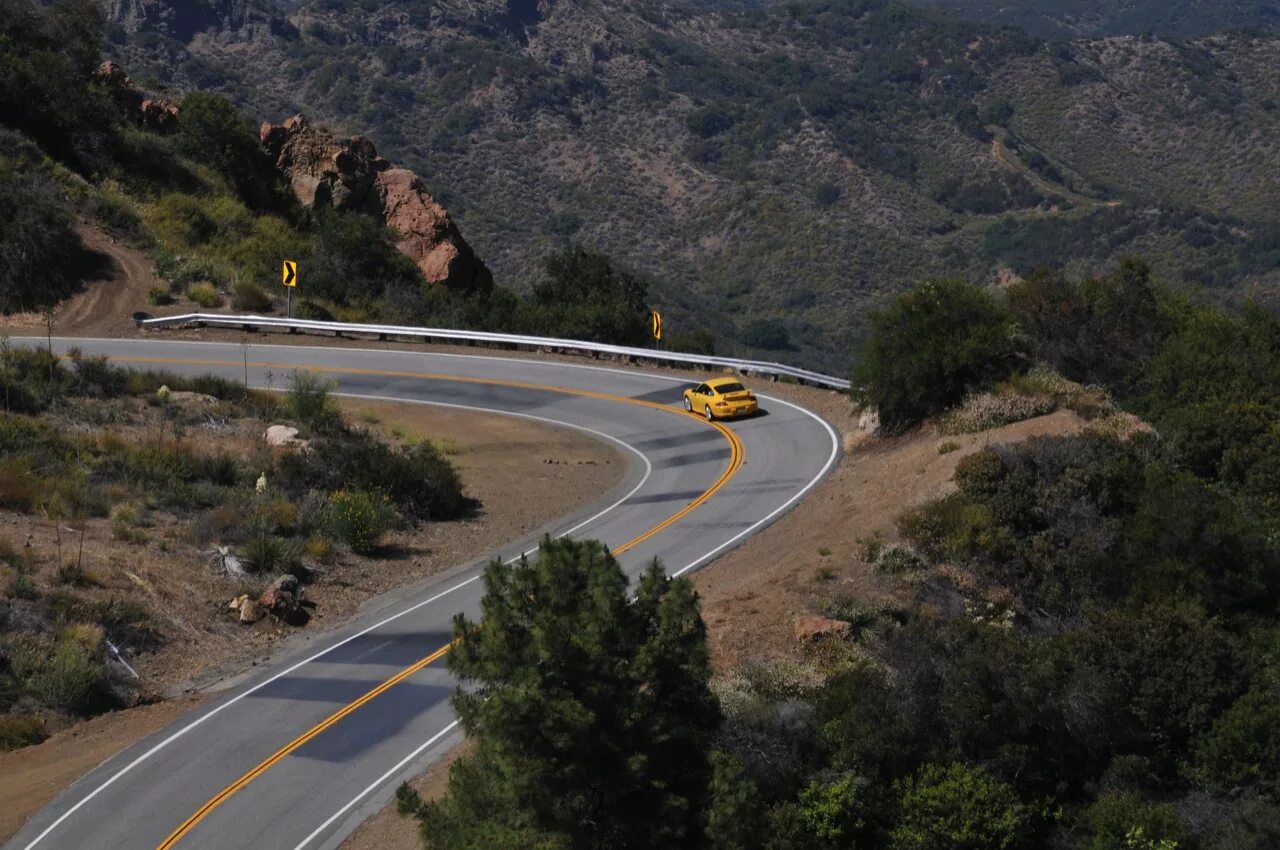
<point>648,470</point>
<point>776,512</point>
<point>831,459</point>
<point>377,783</point>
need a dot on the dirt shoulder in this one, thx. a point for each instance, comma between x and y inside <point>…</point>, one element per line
<point>558,471</point>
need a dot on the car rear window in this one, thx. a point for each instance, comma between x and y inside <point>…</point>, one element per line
<point>725,389</point>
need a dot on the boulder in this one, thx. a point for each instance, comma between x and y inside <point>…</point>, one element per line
<point>814,627</point>
<point>186,397</point>
<point>427,235</point>
<point>349,175</point>
<point>288,583</point>
<point>278,602</point>
<point>250,611</point>
<point>285,605</point>
<point>282,436</point>
<point>158,116</point>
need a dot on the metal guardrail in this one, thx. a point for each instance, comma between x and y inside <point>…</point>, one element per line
<point>568,346</point>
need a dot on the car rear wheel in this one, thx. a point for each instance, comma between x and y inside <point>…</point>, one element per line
<point>688,405</point>
<point>706,411</point>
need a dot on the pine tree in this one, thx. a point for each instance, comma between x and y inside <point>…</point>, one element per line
<point>590,716</point>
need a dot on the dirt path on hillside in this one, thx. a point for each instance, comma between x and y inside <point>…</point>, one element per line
<point>114,289</point>
<point>524,473</point>
<point>1008,160</point>
<point>106,306</point>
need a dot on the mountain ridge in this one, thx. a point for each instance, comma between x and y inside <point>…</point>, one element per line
<point>784,164</point>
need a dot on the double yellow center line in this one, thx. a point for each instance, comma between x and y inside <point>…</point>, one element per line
<point>736,456</point>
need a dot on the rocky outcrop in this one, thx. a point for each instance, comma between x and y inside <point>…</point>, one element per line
<point>151,113</point>
<point>349,175</point>
<point>427,234</point>
<point>158,116</point>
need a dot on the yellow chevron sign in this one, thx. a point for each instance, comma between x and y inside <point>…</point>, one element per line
<point>289,273</point>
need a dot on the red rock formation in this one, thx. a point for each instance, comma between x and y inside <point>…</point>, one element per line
<point>158,116</point>
<point>348,174</point>
<point>151,113</point>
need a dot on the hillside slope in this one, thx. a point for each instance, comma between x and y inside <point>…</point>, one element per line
<point>1092,18</point>
<point>776,168</point>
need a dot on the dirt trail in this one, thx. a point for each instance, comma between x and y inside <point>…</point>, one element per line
<point>1002,156</point>
<point>106,306</point>
<point>108,297</point>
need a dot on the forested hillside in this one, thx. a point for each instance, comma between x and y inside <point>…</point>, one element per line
<point>776,168</point>
<point>1091,18</point>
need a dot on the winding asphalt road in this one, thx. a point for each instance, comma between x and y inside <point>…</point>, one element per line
<point>299,753</point>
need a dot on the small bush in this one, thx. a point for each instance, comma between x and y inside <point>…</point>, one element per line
<point>959,808</point>
<point>897,560</point>
<point>75,575</point>
<point>267,553</point>
<point>946,447</point>
<point>126,519</point>
<point>71,680</point>
<point>358,519</point>
<point>982,411</point>
<point>205,294</point>
<point>420,482</point>
<point>317,549</point>
<point>159,296</point>
<point>19,487</point>
<point>247,295</point>
<point>310,400</point>
<point>21,587</point>
<point>20,730</point>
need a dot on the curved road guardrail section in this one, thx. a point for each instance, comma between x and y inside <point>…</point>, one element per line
<point>569,346</point>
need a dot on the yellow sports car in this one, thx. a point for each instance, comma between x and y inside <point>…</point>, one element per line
<point>720,398</point>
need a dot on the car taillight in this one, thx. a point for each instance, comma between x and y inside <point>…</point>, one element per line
<point>722,404</point>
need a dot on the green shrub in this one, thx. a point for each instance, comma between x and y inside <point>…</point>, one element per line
<point>310,400</point>
<point>930,348</point>
<point>1122,821</point>
<point>159,296</point>
<point>247,295</point>
<point>958,808</point>
<point>72,679</point>
<point>126,520</point>
<point>421,483</point>
<point>205,294</point>
<point>267,553</point>
<point>211,131</point>
<point>836,811</point>
<point>39,246</point>
<point>1242,750</point>
<point>358,519</point>
<point>20,730</point>
<point>21,587</point>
